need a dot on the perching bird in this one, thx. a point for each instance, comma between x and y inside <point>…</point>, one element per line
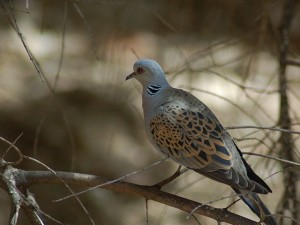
<point>183,128</point>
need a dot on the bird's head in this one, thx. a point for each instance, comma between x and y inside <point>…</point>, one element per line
<point>148,72</point>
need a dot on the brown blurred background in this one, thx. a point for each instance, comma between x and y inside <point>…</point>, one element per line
<point>224,52</point>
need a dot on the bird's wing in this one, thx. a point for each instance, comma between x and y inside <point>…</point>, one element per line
<point>190,138</point>
<point>196,140</point>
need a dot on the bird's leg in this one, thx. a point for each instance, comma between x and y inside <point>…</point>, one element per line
<point>177,173</point>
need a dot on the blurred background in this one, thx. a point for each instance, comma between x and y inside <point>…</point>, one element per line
<point>224,52</point>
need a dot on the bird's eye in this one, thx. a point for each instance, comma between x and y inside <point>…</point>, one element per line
<point>140,70</point>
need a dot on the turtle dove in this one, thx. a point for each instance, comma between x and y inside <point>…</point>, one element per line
<point>183,128</point>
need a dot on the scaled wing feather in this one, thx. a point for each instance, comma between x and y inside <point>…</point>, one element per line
<point>190,138</point>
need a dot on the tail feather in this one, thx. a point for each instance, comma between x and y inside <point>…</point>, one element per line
<point>257,206</point>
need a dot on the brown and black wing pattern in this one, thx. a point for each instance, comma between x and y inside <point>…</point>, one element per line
<point>197,141</point>
<point>190,138</point>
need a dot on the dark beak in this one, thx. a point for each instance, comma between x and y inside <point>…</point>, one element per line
<point>130,76</point>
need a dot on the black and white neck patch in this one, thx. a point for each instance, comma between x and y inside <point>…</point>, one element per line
<point>153,89</point>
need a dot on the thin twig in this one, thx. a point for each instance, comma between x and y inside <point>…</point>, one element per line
<point>272,157</point>
<point>89,30</point>
<point>12,145</point>
<point>292,62</point>
<point>263,128</point>
<point>177,173</point>
<point>65,184</point>
<point>231,102</point>
<point>112,181</point>
<point>210,202</point>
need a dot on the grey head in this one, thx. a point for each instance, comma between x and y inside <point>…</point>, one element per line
<point>149,73</point>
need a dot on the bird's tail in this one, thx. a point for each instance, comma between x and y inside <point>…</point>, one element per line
<point>257,206</point>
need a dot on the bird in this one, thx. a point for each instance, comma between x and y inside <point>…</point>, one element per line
<point>184,129</point>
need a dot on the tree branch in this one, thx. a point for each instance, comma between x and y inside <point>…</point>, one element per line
<point>25,179</point>
<point>289,199</point>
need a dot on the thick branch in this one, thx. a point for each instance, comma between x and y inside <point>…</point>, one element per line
<point>286,140</point>
<point>29,178</point>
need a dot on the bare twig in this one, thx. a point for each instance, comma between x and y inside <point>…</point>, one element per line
<point>210,202</point>
<point>65,184</point>
<point>13,146</point>
<point>20,198</point>
<point>11,18</point>
<point>89,30</point>
<point>292,62</point>
<point>231,102</point>
<point>113,181</point>
<point>177,173</point>
<point>272,157</point>
<point>263,128</point>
